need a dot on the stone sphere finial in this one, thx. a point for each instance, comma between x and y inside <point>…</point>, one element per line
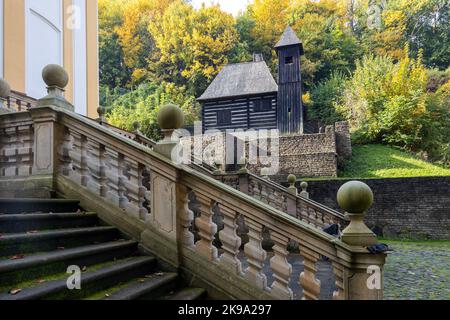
<point>136,125</point>
<point>355,197</point>
<point>170,117</point>
<point>291,179</point>
<point>5,89</point>
<point>55,76</point>
<point>304,185</point>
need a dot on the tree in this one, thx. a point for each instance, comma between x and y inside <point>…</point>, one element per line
<point>113,72</point>
<point>193,45</point>
<point>328,41</point>
<point>136,41</point>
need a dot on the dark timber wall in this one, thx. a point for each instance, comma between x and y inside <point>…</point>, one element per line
<point>403,208</point>
<point>243,113</point>
<point>290,110</point>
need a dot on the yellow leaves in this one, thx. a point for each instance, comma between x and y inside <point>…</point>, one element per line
<point>195,43</point>
<point>270,17</point>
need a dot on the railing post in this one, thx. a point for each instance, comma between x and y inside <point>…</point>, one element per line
<point>47,133</point>
<point>364,279</point>
<point>169,219</point>
<point>5,91</point>
<point>292,201</point>
<point>304,193</point>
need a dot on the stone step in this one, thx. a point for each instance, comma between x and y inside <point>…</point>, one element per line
<point>41,241</point>
<point>42,264</point>
<point>15,206</point>
<point>187,294</point>
<point>90,281</point>
<point>14,223</point>
<point>151,287</point>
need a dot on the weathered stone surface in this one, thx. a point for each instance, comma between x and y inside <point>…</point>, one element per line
<point>403,207</point>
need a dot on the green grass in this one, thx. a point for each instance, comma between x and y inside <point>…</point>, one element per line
<point>379,161</point>
<point>444,244</point>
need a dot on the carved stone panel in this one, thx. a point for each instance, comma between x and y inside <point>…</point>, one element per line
<point>163,204</point>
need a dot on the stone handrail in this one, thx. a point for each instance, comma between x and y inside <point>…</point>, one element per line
<point>149,197</point>
<point>18,101</point>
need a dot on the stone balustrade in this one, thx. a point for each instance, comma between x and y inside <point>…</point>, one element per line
<point>149,197</point>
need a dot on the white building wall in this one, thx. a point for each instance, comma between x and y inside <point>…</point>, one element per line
<point>43,41</point>
<point>80,59</point>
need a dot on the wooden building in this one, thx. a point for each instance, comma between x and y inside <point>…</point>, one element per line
<point>246,95</point>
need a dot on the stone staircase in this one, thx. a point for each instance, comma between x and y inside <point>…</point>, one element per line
<point>41,238</point>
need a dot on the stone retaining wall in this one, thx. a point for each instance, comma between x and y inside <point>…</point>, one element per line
<point>417,208</point>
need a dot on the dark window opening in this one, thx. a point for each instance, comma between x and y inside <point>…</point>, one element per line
<point>263,105</point>
<point>289,60</point>
<point>224,117</point>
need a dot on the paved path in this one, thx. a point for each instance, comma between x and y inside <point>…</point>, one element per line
<point>418,271</point>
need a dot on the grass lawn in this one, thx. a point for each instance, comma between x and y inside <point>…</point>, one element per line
<point>379,161</point>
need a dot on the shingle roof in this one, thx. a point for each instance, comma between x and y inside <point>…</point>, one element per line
<point>241,79</point>
<point>288,38</point>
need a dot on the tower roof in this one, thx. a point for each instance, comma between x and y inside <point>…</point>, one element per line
<point>288,38</point>
<point>241,79</point>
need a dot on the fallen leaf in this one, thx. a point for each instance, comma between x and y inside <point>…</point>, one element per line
<point>14,291</point>
<point>141,280</point>
<point>84,269</point>
<point>17,257</point>
<point>40,281</point>
<point>107,295</point>
<point>148,276</point>
<point>159,274</point>
<point>32,231</point>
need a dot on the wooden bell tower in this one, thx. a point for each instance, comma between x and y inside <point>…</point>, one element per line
<point>290,107</point>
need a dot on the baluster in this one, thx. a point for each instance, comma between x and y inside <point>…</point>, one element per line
<point>186,217</point>
<point>256,255</point>
<point>264,194</point>
<point>132,184</point>
<point>339,273</point>
<point>121,178</point>
<point>281,268</point>
<point>9,152</point>
<point>103,167</point>
<point>25,150</point>
<point>308,280</point>
<point>230,240</point>
<point>112,159</point>
<point>64,154</point>
<point>142,192</point>
<point>84,169</point>
<point>206,228</point>
<point>93,165</point>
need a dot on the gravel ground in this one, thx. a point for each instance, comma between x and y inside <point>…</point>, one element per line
<point>417,271</point>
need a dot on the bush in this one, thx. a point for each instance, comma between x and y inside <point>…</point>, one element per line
<point>326,97</point>
<point>389,103</point>
<point>143,103</point>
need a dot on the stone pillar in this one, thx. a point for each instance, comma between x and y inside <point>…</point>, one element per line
<point>364,279</point>
<point>170,118</point>
<point>56,79</point>
<point>47,132</point>
<point>5,91</point>
<point>169,211</point>
<point>343,140</point>
<point>292,201</point>
<point>304,193</point>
